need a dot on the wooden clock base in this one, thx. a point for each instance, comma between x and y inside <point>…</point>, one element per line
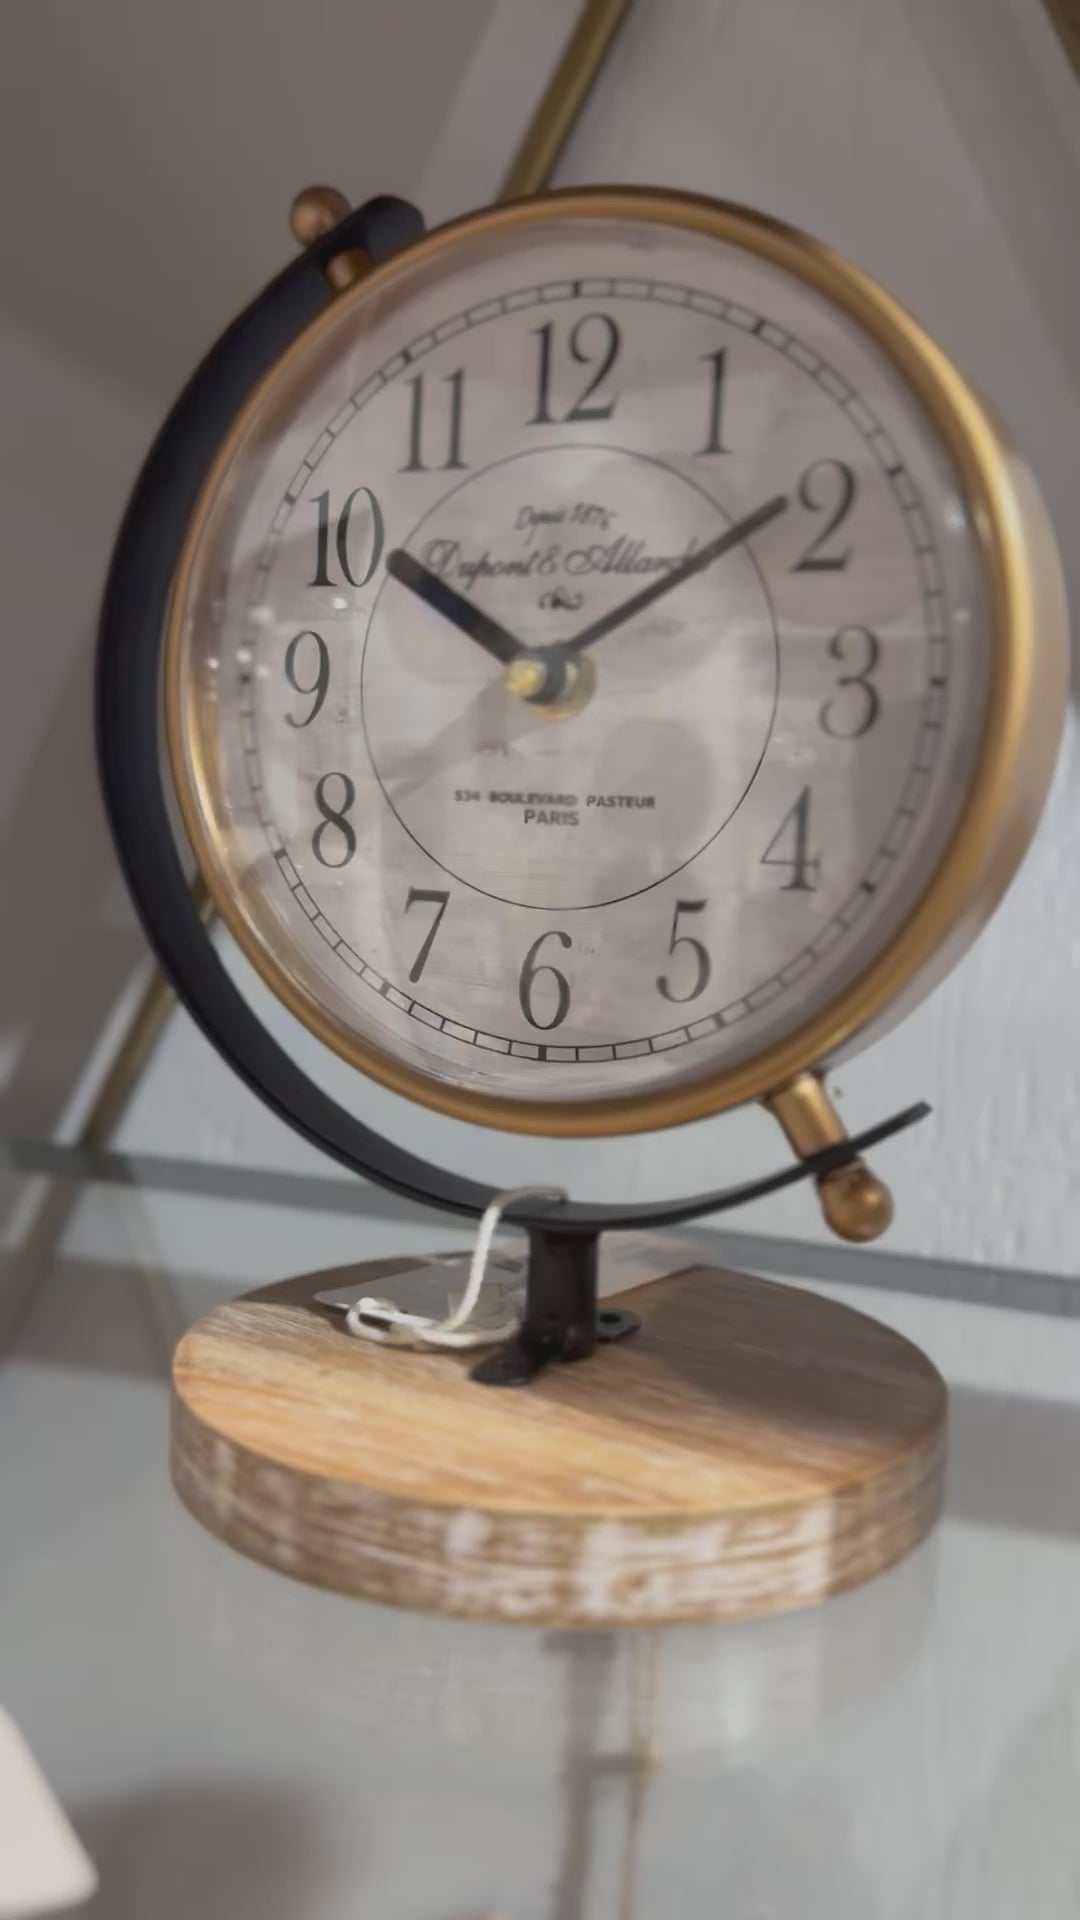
<point>752,1449</point>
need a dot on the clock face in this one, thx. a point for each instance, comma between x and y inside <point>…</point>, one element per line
<point>583,658</point>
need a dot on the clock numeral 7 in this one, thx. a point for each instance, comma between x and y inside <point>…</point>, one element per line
<point>702,963</point>
<point>432,897</point>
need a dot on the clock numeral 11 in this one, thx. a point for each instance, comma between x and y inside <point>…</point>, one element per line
<point>416,462</point>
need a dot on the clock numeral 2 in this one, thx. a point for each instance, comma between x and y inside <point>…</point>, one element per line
<point>341,540</point>
<point>433,897</point>
<point>703,965</point>
<point>342,835</point>
<point>850,719</point>
<point>416,462</point>
<point>790,847</point>
<point>530,973</point>
<point>826,487</point>
<point>592,327</point>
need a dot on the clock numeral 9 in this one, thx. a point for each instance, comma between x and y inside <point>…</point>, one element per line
<point>530,973</point>
<point>598,328</point>
<point>790,847</point>
<point>849,719</point>
<point>341,540</point>
<point>702,963</point>
<point>321,682</point>
<point>334,826</point>
<point>826,487</point>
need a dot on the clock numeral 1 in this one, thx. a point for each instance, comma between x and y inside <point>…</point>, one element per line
<point>858,648</point>
<point>341,540</point>
<point>703,965</point>
<point>598,328</point>
<point>790,847</point>
<point>433,897</point>
<point>416,462</point>
<point>530,973</point>
<point>715,440</point>
<point>342,835</point>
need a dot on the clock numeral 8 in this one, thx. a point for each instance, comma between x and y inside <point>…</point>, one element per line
<point>334,823</point>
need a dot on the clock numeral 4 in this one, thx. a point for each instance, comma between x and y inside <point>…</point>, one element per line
<point>790,847</point>
<point>436,897</point>
<point>702,962</point>
<point>849,717</point>
<point>826,487</point>
<point>343,547</point>
<point>594,342</point>
<point>417,410</point>
<point>530,974</point>
<point>335,834</point>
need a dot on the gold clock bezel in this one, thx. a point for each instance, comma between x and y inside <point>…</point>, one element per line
<point>1015,759</point>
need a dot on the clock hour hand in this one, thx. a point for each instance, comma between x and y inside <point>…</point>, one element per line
<point>731,537</point>
<point>453,606</point>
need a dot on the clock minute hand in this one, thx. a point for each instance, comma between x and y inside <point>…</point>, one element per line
<point>731,537</point>
<point>453,606</point>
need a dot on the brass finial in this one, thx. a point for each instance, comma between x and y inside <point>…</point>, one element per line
<point>315,212</point>
<point>856,1204</point>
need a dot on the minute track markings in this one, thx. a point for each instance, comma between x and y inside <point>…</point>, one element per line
<point>841,394</point>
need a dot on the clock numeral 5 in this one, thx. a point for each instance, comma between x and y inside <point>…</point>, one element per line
<point>702,962</point>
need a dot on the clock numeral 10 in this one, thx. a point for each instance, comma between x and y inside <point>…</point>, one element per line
<point>594,342</point>
<point>790,847</point>
<point>342,530</point>
<point>417,408</point>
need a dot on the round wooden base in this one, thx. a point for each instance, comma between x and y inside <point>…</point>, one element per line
<point>753,1448</point>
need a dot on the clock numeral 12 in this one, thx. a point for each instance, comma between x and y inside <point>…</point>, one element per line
<point>599,327</point>
<point>790,847</point>
<point>416,462</point>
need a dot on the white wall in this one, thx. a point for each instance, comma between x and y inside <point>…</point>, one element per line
<point>935,141</point>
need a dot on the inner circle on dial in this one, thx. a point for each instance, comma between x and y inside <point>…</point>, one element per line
<point>593,805</point>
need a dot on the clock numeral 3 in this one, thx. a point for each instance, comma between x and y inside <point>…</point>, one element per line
<point>790,847</point>
<point>530,974</point>
<point>595,338</point>
<point>432,897</point>
<point>416,462</point>
<point>321,682</point>
<point>849,719</point>
<point>334,824</point>
<point>826,487</point>
<point>702,963</point>
<point>376,533</point>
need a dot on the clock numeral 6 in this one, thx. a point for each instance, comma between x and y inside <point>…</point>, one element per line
<point>702,962</point>
<point>376,533</point>
<point>530,974</point>
<point>334,826</point>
